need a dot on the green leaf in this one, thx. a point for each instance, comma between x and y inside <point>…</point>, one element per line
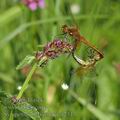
<point>6,102</point>
<point>26,61</point>
<point>28,109</point>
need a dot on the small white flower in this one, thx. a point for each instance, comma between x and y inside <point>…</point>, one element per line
<point>75,8</point>
<point>64,86</point>
<point>19,87</point>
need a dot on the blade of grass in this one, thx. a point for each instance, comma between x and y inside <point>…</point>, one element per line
<point>24,26</point>
<point>11,116</point>
<point>10,14</point>
<point>96,112</point>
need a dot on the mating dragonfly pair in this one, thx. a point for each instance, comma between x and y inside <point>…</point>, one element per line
<point>74,33</point>
<point>57,47</point>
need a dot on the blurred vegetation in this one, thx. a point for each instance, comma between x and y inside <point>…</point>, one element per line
<point>96,92</point>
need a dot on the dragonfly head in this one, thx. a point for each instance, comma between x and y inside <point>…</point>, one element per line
<point>65,29</point>
<point>68,30</point>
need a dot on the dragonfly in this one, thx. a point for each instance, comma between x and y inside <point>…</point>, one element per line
<point>78,38</point>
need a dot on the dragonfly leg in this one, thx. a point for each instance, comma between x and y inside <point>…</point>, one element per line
<point>65,37</point>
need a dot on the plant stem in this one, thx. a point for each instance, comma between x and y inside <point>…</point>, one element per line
<point>24,87</point>
<point>29,76</point>
<point>27,81</point>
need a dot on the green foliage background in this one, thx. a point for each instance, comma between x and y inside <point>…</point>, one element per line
<point>98,93</point>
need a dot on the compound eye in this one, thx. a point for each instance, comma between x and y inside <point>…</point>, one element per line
<point>71,33</point>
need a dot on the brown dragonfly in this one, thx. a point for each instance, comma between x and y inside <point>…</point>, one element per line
<point>74,32</point>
